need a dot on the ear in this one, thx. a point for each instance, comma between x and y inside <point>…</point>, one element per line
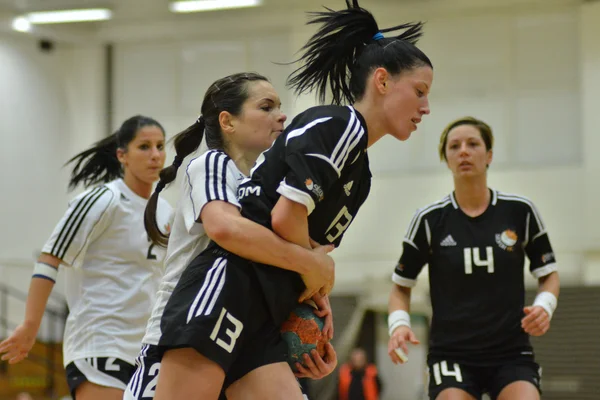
<point>226,122</point>
<point>490,156</point>
<point>381,79</point>
<point>122,156</point>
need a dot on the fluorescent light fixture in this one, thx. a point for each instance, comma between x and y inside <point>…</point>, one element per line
<point>21,24</point>
<point>210,5</point>
<point>65,16</point>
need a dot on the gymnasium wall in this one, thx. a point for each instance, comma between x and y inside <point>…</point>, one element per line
<point>532,71</point>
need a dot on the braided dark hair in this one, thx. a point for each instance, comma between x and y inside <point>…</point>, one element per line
<point>226,94</point>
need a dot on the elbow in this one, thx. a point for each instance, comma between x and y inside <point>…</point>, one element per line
<point>220,232</point>
<point>278,223</point>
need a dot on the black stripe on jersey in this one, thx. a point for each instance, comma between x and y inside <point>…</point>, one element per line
<point>416,220</point>
<point>536,214</point>
<point>73,223</point>
<point>216,166</point>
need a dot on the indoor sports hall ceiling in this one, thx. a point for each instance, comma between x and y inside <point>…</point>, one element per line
<point>135,19</point>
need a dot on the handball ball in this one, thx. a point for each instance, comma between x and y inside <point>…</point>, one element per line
<point>303,332</point>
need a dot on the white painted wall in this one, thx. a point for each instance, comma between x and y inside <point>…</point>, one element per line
<point>51,106</point>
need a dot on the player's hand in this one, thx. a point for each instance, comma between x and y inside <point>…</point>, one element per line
<point>401,336</point>
<point>317,367</point>
<point>536,321</point>
<point>321,276</point>
<point>17,346</point>
<point>324,310</point>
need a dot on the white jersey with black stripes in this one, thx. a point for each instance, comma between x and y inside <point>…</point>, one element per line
<point>112,273</point>
<point>212,176</point>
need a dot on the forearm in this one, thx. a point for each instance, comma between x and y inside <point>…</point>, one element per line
<point>250,240</point>
<point>399,299</point>
<point>290,221</point>
<point>550,283</point>
<point>39,292</point>
<point>547,297</point>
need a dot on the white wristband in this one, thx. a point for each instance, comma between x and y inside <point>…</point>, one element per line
<point>396,319</point>
<point>547,301</point>
<point>45,271</point>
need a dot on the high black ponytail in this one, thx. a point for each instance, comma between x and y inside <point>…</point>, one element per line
<point>347,47</point>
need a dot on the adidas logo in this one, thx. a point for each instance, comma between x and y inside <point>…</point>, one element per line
<point>448,241</point>
<point>348,187</point>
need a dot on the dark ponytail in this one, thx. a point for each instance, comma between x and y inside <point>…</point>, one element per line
<point>226,94</point>
<point>185,143</point>
<point>349,42</point>
<point>99,164</point>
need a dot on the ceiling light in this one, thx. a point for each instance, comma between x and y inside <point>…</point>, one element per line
<point>210,5</point>
<point>64,16</point>
<point>21,24</point>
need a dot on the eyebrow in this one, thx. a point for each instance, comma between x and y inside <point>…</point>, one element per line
<point>271,100</point>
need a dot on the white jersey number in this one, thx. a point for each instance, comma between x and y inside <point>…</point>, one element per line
<point>110,365</point>
<point>340,223</point>
<point>444,371</point>
<point>151,387</point>
<point>233,335</point>
<point>472,257</point>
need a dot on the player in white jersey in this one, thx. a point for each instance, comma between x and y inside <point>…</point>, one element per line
<point>113,269</point>
<point>241,117</point>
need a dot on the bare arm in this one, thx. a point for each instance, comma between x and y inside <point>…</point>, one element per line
<point>39,292</point>
<point>399,324</point>
<point>224,224</point>
<point>290,221</point>
<point>537,316</point>
<point>550,283</point>
<point>18,345</point>
<point>399,299</point>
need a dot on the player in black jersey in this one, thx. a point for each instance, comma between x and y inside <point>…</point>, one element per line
<point>308,185</point>
<point>475,242</point>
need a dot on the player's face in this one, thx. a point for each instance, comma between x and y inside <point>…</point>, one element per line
<point>261,119</point>
<point>466,153</point>
<point>145,155</point>
<point>406,101</point>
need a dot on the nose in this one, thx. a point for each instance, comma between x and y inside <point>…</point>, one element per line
<point>425,110</point>
<point>282,117</point>
<point>155,152</point>
<point>463,148</point>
